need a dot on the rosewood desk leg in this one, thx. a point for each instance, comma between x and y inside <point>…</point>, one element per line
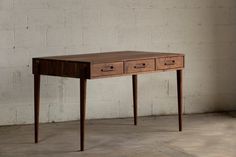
<point>135,81</point>
<point>82,110</point>
<point>36,105</point>
<point>180,96</point>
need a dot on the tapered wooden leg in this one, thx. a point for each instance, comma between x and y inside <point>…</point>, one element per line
<point>180,96</point>
<point>82,110</point>
<point>36,105</point>
<point>135,81</point>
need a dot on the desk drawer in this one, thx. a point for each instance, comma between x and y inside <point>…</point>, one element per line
<point>169,63</point>
<point>140,66</point>
<point>105,69</point>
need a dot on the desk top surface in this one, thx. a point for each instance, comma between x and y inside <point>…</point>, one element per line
<point>115,56</point>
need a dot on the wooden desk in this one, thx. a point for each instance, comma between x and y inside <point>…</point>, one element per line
<point>100,65</point>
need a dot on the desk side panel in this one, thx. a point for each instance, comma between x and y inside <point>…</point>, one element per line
<point>61,68</point>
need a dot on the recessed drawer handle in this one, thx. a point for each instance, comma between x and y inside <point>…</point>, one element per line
<point>170,62</point>
<point>107,69</point>
<point>139,66</point>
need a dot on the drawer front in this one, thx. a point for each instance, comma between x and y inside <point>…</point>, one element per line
<point>140,66</point>
<point>106,69</point>
<point>169,63</point>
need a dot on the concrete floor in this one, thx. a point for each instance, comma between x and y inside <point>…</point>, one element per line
<point>204,135</point>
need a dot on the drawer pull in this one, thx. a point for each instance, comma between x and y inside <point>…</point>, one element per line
<point>171,62</point>
<point>107,69</point>
<point>139,66</point>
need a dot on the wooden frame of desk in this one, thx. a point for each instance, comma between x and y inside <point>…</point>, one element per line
<point>106,64</point>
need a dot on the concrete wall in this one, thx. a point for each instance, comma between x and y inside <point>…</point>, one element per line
<point>205,30</point>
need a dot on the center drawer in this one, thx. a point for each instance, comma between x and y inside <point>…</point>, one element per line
<point>105,69</point>
<point>139,66</point>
